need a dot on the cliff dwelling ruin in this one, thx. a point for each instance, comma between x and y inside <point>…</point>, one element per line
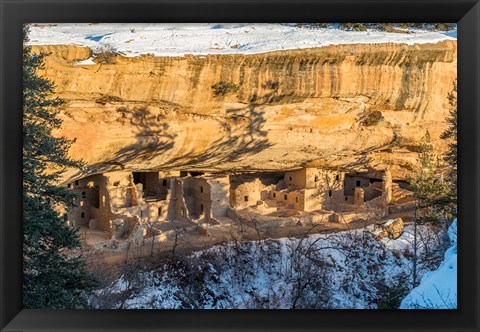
<point>356,109</point>
<point>125,205</point>
<point>300,107</point>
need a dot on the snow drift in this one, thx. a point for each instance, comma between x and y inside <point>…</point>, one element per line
<point>438,289</point>
<point>208,38</point>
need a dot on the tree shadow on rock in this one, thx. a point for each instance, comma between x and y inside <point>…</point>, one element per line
<point>244,136</point>
<point>152,138</point>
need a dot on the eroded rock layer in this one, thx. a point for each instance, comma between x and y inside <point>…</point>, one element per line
<point>349,107</point>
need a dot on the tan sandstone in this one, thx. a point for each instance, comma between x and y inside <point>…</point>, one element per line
<point>293,108</point>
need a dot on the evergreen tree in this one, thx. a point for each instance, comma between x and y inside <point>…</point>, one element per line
<point>450,158</point>
<point>54,273</point>
<point>426,190</point>
<point>435,198</point>
<point>430,190</point>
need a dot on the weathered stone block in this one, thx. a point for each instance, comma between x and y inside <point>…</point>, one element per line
<point>393,228</point>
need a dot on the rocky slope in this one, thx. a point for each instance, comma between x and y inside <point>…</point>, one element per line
<point>311,107</point>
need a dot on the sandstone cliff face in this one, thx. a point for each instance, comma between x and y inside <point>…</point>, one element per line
<point>292,108</point>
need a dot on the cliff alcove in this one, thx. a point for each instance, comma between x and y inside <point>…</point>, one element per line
<point>296,108</point>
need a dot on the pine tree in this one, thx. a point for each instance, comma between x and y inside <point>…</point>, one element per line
<point>430,190</point>
<point>427,189</point>
<point>435,198</point>
<point>450,135</point>
<point>54,273</point>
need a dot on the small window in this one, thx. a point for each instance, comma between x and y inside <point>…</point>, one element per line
<point>346,198</point>
<point>84,194</point>
<point>201,189</point>
<point>316,178</point>
<point>358,183</point>
<point>164,182</point>
<point>296,199</point>
<point>82,215</point>
<point>245,198</point>
<point>160,211</point>
<point>337,177</point>
<point>329,193</point>
<point>76,182</point>
<point>290,178</point>
<point>69,185</point>
<point>285,196</point>
<point>274,195</point>
<point>201,208</point>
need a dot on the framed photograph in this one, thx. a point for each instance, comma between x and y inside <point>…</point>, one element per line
<point>306,165</point>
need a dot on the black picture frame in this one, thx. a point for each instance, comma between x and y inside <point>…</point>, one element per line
<point>15,13</point>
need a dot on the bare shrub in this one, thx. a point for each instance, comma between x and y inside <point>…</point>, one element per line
<point>104,55</point>
<point>370,118</point>
<point>104,99</point>
<point>353,26</point>
<point>224,88</point>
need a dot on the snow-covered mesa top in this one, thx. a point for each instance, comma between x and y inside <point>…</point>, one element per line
<point>166,39</point>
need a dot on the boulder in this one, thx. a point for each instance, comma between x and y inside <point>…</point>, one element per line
<point>393,228</point>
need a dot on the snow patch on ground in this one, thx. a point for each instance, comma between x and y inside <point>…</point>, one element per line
<point>345,270</point>
<point>389,222</point>
<point>403,242</point>
<point>88,61</point>
<point>177,39</point>
<point>438,289</point>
